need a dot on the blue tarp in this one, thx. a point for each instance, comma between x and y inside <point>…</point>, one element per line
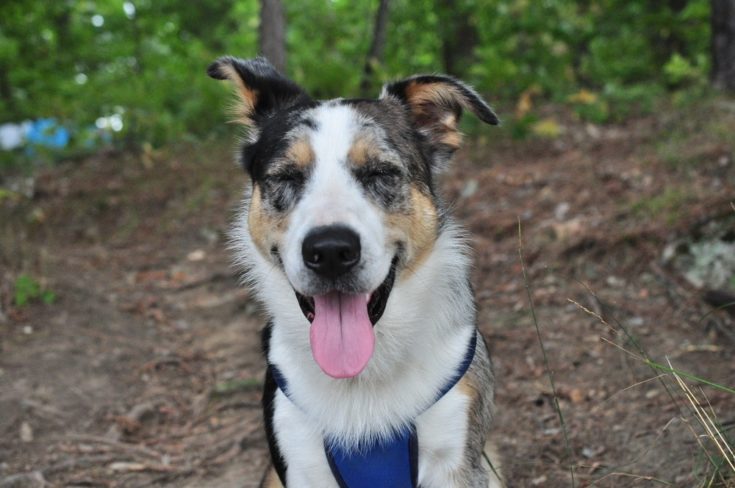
<point>48,133</point>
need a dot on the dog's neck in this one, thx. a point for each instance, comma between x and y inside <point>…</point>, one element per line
<point>420,341</point>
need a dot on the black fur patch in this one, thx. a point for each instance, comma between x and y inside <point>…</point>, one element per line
<point>269,394</point>
<point>272,91</point>
<point>272,142</point>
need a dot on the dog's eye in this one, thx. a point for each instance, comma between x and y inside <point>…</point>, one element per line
<point>380,173</point>
<point>286,177</point>
<point>283,187</point>
<point>382,182</point>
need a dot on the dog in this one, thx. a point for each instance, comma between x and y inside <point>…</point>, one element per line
<point>377,375</point>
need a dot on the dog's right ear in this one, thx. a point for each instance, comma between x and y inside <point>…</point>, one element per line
<point>260,88</point>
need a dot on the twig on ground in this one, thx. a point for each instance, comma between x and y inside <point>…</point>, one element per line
<point>634,476</point>
<point>129,448</point>
<point>78,463</point>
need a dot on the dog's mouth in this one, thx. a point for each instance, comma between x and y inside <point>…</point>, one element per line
<point>375,305</point>
<point>341,335</point>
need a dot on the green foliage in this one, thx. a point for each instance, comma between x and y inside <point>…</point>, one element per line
<point>666,205</point>
<point>237,385</point>
<point>144,61</point>
<point>28,290</point>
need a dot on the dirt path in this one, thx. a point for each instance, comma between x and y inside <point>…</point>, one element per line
<point>146,370</point>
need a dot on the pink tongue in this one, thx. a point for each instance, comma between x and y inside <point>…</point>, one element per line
<point>342,339</point>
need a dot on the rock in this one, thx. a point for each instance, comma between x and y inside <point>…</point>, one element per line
<point>577,396</point>
<point>34,479</point>
<point>539,481</point>
<point>470,188</point>
<point>564,231</point>
<point>714,264</point>
<point>562,210</point>
<point>706,263</point>
<point>636,321</point>
<point>26,432</point>
<point>615,282</point>
<point>197,255</point>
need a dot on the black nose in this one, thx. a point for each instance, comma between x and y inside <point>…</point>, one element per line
<point>331,251</point>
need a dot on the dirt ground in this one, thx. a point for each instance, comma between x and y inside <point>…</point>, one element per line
<point>146,368</point>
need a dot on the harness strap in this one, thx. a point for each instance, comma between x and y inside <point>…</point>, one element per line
<point>392,462</point>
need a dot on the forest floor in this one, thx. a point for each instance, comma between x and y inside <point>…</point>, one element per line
<point>146,368</point>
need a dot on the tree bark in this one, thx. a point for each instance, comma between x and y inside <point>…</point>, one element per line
<point>459,38</point>
<point>377,47</point>
<point>6,91</point>
<point>723,44</point>
<point>272,33</point>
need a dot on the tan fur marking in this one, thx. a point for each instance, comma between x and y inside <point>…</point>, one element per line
<point>265,229</point>
<point>452,137</point>
<point>359,153</point>
<point>467,388</point>
<point>247,96</point>
<point>419,94</point>
<point>271,480</point>
<point>418,229</point>
<point>423,95</point>
<point>301,153</point>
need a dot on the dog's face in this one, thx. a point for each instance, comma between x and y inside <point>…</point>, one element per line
<point>342,200</point>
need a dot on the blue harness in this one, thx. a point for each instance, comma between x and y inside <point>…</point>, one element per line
<point>388,463</point>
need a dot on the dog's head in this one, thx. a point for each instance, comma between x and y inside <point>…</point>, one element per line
<point>342,199</point>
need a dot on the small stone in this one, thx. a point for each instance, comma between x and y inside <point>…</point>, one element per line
<point>27,330</point>
<point>34,479</point>
<point>469,189</point>
<point>197,255</point>
<point>26,432</point>
<point>566,230</point>
<point>614,281</point>
<point>576,395</point>
<point>540,480</point>
<point>561,211</point>
<point>636,321</point>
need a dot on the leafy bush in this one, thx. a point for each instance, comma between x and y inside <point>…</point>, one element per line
<point>144,61</point>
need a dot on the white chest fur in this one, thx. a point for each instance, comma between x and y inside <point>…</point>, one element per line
<point>442,432</point>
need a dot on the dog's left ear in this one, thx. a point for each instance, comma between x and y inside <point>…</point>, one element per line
<point>435,103</point>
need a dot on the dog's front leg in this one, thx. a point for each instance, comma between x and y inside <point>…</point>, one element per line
<point>301,446</point>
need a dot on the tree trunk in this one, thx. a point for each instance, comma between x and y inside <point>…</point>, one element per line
<point>375,54</point>
<point>6,92</point>
<point>723,44</point>
<point>272,32</point>
<point>458,37</point>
